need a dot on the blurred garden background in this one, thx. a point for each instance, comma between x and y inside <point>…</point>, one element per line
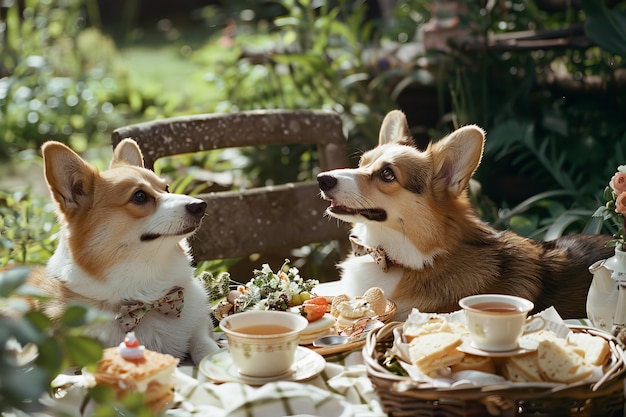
<point>545,78</point>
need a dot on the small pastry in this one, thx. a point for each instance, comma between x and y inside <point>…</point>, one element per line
<point>354,309</point>
<point>376,299</point>
<point>131,367</point>
<point>335,303</point>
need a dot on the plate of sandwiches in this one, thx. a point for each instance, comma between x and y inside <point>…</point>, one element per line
<point>347,321</point>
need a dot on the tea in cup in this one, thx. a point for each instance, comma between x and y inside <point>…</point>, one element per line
<point>263,343</point>
<point>496,321</point>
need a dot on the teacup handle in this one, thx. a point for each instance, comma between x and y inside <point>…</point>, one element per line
<point>534,324</point>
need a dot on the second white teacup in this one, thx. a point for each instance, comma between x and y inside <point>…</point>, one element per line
<point>496,321</point>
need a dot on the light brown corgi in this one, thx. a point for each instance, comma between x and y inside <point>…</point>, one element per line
<point>121,249</point>
<point>417,237</point>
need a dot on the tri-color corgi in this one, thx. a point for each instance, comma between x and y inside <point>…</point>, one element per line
<point>121,250</point>
<point>417,237</point>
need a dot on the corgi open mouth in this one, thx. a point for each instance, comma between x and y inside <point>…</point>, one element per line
<point>146,237</point>
<point>374,214</point>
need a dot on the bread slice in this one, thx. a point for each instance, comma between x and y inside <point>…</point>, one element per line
<point>442,362</point>
<point>433,325</point>
<point>559,364</point>
<point>475,363</point>
<point>435,350</point>
<point>595,349</point>
<point>522,368</point>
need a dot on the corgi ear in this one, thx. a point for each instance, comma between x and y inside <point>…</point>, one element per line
<point>395,128</point>
<point>456,157</point>
<point>127,152</point>
<point>69,178</point>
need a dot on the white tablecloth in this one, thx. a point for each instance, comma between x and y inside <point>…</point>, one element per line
<point>341,389</point>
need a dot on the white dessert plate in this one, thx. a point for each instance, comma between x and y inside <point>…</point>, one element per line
<point>219,367</point>
<point>466,347</point>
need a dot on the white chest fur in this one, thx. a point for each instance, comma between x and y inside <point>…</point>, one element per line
<point>360,273</point>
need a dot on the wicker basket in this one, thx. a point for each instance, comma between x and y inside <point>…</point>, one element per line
<point>400,396</point>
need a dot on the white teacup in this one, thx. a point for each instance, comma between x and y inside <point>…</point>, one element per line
<point>263,343</point>
<point>496,321</point>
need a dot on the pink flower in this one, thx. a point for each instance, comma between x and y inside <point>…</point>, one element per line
<point>620,203</point>
<point>618,182</point>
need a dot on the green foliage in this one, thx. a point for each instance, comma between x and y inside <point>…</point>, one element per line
<point>60,79</point>
<point>34,348</point>
<point>544,128</point>
<point>607,212</point>
<point>295,62</point>
<point>308,56</point>
<point>606,27</point>
<point>28,228</point>
<point>217,285</point>
<point>131,405</point>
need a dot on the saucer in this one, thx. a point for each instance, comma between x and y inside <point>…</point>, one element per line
<point>466,347</point>
<point>219,367</point>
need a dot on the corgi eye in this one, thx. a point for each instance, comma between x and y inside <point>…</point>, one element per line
<point>139,198</point>
<point>167,188</point>
<point>387,175</point>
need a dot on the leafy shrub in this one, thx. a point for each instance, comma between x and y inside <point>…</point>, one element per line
<point>33,349</point>
<point>552,137</point>
<point>60,79</point>
<point>28,228</point>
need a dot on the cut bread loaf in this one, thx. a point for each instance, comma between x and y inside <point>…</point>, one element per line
<point>474,363</point>
<point>559,364</point>
<point>595,349</point>
<point>433,351</point>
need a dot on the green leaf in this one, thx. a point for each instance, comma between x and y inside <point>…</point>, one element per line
<point>594,226</point>
<point>51,355</point>
<point>287,22</point>
<point>600,212</point>
<point>74,316</point>
<point>19,328</point>
<point>12,278</point>
<point>523,225</point>
<point>102,394</point>
<point>289,37</point>
<point>28,383</point>
<point>606,27</point>
<point>135,101</point>
<point>558,226</point>
<point>38,319</point>
<point>82,350</point>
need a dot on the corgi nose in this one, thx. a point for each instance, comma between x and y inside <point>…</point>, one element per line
<point>326,182</point>
<point>196,208</point>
